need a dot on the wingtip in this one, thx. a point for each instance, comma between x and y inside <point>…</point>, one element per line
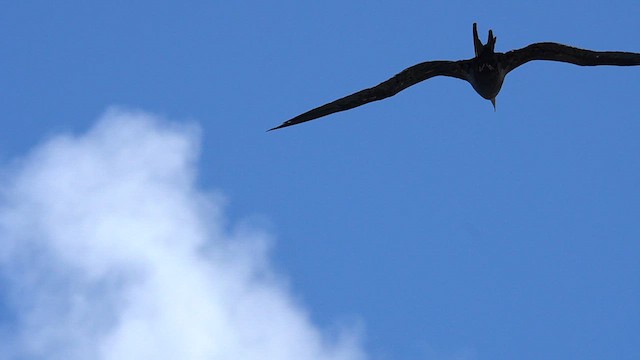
<point>284,124</point>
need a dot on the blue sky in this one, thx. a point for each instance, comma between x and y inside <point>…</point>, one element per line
<point>425,226</point>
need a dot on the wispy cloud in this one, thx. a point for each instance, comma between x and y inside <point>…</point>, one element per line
<point>110,251</point>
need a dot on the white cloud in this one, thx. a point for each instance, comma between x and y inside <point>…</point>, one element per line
<point>110,251</point>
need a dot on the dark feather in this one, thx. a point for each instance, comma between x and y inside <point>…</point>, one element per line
<point>558,52</point>
<point>401,81</point>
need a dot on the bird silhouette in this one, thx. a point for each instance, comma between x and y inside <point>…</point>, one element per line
<point>485,72</point>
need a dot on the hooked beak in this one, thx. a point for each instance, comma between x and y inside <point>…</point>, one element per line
<point>493,102</point>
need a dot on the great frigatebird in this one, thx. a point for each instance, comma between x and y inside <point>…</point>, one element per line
<point>485,72</point>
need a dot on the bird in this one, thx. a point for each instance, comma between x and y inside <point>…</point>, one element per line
<point>485,72</point>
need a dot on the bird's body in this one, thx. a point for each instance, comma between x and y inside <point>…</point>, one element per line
<point>486,77</point>
<point>485,72</point>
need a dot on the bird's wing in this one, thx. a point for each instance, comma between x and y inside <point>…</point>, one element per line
<point>399,82</point>
<point>569,54</point>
